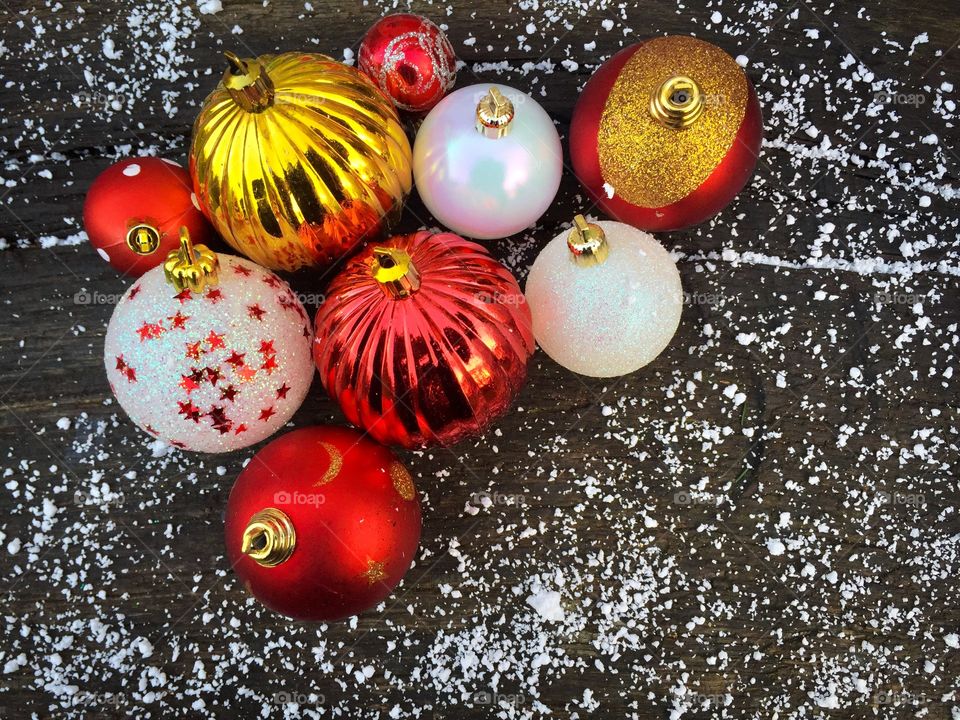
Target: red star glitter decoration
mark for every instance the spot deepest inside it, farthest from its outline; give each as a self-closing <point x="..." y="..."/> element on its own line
<point x="288" y="302"/>
<point x="266" y="347"/>
<point x="267" y="413"/>
<point x="236" y="358"/>
<point x="178" y="444"/>
<point x="126" y="370"/>
<point x="213" y="374"/>
<point x="272" y="280"/>
<point x="246" y="373"/>
<point x="183" y="296"/>
<point x="269" y="364"/>
<point x="195" y="350"/>
<point x="189" y="411"/>
<point x="178" y="321"/>
<point x="282" y="391"/>
<point x="215" y="341"/>
<point x="241" y="270"/>
<point x="150" y="331"/>
<point x="214" y="296"/>
<point x="134" y="292"/>
<point x="220" y="421"/>
<point x="188" y="383"/>
<point x="228" y="393"/>
<point x="240" y="428"/>
<point x="256" y="312"/>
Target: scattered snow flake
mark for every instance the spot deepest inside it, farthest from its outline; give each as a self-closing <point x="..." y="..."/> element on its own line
<point x="775" y="546"/>
<point x="547" y="604"/>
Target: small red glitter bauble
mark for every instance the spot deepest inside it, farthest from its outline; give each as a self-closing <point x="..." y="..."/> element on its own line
<point x="410" y="59"/>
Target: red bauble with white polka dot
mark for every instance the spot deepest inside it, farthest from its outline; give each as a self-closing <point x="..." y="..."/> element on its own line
<point x="215" y="367"/>
<point x="134" y="211"/>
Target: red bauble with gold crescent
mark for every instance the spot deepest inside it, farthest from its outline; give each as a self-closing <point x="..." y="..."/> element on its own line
<point x="666" y="133"/>
<point x="322" y="523"/>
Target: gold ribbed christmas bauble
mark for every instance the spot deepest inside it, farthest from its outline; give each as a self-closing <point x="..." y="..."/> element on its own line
<point x="298" y="159"/>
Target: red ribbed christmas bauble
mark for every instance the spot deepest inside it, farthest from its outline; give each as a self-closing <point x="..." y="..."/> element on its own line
<point x="423" y="340"/>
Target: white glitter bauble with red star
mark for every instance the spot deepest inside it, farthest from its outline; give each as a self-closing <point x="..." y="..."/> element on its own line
<point x="212" y="371"/>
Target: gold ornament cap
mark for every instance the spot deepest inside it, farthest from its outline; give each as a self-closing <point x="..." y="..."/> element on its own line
<point x="494" y="114"/>
<point x="395" y="271"/>
<point x="193" y="268"/>
<point x="269" y="537"/>
<point x="677" y="103"/>
<point x="248" y="83"/>
<point x="587" y="242"/>
<point x="143" y="238"/>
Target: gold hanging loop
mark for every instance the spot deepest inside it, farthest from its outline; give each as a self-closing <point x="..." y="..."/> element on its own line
<point x="495" y="112"/>
<point x="269" y="537"/>
<point x="395" y="271"/>
<point x="587" y="242"/>
<point x="677" y="103"/>
<point x="248" y="83"/>
<point x="143" y="238"/>
<point x="193" y="268"/>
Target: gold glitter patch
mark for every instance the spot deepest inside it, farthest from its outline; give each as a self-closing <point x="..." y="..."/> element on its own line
<point x="402" y="482"/>
<point x="375" y="572"/>
<point x="650" y="165"/>
<point x="336" y="463"/>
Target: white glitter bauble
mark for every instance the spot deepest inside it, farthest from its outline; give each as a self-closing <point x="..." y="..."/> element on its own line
<point x="480" y="185"/>
<point x="609" y="317"/>
<point x="212" y="371"/>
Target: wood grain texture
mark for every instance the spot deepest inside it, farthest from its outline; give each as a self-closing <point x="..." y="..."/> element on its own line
<point x="653" y="496"/>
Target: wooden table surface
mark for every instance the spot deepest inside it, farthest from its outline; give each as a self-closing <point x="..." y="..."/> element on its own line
<point x="762" y="523"/>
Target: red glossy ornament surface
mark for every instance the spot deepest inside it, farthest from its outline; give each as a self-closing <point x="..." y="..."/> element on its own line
<point x="727" y="178"/>
<point x="355" y="516"/>
<point x="410" y="59"/>
<point x="145" y="191"/>
<point x="436" y="366"/>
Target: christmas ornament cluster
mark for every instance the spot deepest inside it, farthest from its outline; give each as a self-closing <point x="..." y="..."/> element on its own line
<point x="300" y="162"/>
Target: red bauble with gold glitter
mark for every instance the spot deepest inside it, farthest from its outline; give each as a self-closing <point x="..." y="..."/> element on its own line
<point x="666" y="133"/>
<point x="322" y="523"/>
<point x="134" y="211"/>
<point x="410" y="59"/>
<point x="423" y="339"/>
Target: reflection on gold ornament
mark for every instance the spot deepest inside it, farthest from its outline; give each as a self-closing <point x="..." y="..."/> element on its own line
<point x="298" y="159"/>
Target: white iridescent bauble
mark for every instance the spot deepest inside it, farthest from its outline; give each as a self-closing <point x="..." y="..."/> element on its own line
<point x="212" y="371"/>
<point x="487" y="161"/>
<point x="605" y="298"/>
